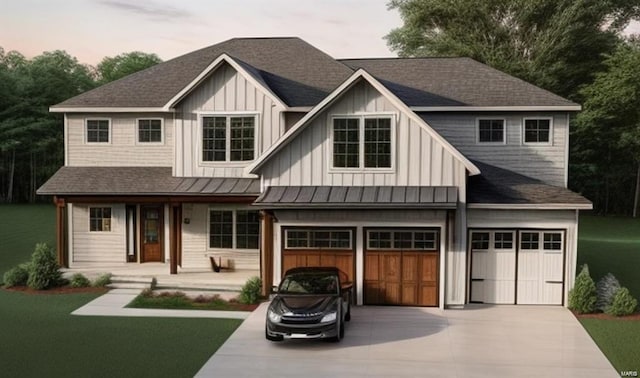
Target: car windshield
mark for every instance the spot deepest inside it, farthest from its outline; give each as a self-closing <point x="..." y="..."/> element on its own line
<point x="309" y="283"/>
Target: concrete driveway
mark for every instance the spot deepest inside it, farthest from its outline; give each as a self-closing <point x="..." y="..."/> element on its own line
<point x="479" y="341"/>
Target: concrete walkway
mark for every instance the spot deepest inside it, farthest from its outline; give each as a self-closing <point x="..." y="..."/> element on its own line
<point x="113" y="304"/>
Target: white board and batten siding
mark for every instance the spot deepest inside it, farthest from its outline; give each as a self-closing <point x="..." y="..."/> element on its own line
<point x="123" y="150"/>
<point x="195" y="243"/>
<point x="224" y="92"/>
<point x="419" y="160"/>
<point x="103" y="247"/>
<point x="546" y="162"/>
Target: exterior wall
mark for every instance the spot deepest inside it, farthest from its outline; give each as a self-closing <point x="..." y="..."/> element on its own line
<point x="291" y="118"/>
<point x="544" y="162"/>
<point x="361" y="219"/>
<point x="97" y="247"/>
<point x="123" y="149"/>
<point x="419" y="159"/>
<point x="535" y="219"/>
<point x="195" y="243"/>
<point x="224" y="91"/>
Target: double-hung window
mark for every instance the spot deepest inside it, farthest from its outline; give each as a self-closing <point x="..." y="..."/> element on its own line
<point x="150" y="130"/>
<point x="234" y="229"/>
<point x="491" y="131"/>
<point x="228" y="138"/>
<point x="537" y="130"/>
<point x="98" y="130"/>
<point x="362" y="142"/>
<point x="100" y="219"/>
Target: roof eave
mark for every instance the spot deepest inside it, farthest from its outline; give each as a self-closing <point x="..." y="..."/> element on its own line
<point x="342" y="206"/>
<point x="99" y="109"/>
<point x="548" y="108"/>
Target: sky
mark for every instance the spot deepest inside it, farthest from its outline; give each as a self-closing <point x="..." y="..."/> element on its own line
<point x="93" y="29"/>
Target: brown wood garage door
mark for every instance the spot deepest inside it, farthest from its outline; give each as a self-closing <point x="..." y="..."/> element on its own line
<point x="319" y="247"/>
<point x="401" y="267"/>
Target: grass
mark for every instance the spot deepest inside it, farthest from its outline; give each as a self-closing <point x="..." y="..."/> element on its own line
<point x="612" y="245"/>
<point x="178" y="300"/>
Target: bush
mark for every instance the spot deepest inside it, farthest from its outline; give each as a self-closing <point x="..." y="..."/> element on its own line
<point x="606" y="289"/>
<point x="16" y="276"/>
<point x="250" y="293"/>
<point x="45" y="271"/>
<point x="582" y="298"/>
<point x="623" y="303"/>
<point x="79" y="280"/>
<point x="103" y="280"/>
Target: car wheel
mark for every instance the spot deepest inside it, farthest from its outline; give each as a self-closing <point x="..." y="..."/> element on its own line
<point x="340" y="331"/>
<point x="347" y="316"/>
<point x="271" y="338"/>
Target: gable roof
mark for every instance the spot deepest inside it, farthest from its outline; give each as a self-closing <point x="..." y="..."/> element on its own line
<point x="298" y="73"/>
<point x="456" y="83"/>
<point x="360" y="74"/>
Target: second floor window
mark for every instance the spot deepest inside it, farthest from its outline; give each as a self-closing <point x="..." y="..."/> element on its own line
<point x="491" y="131"/>
<point x="537" y="130"/>
<point x="149" y="130"/>
<point x="362" y="142"/>
<point x="98" y="131"/>
<point x="228" y="138"/>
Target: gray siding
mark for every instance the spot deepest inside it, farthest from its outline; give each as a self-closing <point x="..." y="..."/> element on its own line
<point x="224" y="91"/>
<point x="123" y="149"/>
<point x="544" y="162"/>
<point x="98" y="247"/>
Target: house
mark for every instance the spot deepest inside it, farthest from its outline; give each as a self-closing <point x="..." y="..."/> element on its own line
<point x="429" y="181"/>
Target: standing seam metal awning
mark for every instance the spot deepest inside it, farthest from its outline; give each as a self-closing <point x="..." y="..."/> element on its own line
<point x="434" y="197"/>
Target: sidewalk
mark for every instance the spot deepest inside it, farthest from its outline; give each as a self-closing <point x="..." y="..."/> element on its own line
<point x="113" y="304"/>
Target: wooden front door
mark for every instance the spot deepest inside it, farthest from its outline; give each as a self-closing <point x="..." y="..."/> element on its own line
<point x="151" y="227"/>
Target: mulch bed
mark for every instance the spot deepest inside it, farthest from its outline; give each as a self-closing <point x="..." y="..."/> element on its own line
<point x="58" y="290"/>
<point x="603" y="316"/>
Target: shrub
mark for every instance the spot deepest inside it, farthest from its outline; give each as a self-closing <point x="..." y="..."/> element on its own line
<point x="45" y="272"/>
<point x="582" y="298"/>
<point x="606" y="289"/>
<point x="250" y="292"/>
<point x="16" y="276"/>
<point x="103" y="280"/>
<point x="79" y="280"/>
<point x="623" y="303"/>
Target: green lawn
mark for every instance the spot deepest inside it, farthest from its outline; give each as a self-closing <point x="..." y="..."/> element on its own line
<point x="618" y="339"/>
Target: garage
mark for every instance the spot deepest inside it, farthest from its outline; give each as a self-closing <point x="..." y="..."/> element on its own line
<point x="517" y="266"/>
<point x="319" y="247"/>
<point x="401" y="267"/>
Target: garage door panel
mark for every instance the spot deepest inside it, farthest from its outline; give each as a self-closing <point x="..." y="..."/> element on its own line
<point x="479" y="265"/>
<point x="552" y="266"/>
<point x="342" y="260"/>
<point x="552" y="293"/>
<point x="392" y="292"/>
<point x="409" y="294"/>
<point x="477" y="291"/>
<point x="429" y="268"/>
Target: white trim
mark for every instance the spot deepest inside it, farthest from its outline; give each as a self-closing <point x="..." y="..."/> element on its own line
<point x="97" y="109"/>
<point x="545" y="206"/>
<point x="504" y="131"/>
<point x="393" y="99"/>
<point x="162" y="131"/>
<point x="86" y="133"/>
<point x="227" y="163"/>
<point x="567" y="108"/>
<point x="523" y="134"/>
<point x="212" y="67"/>
<point x="65" y="142"/>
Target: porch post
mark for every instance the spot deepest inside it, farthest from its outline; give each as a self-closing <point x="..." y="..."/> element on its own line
<point x="61" y="232"/>
<point x="266" y="252"/>
<point x="174" y="226"/>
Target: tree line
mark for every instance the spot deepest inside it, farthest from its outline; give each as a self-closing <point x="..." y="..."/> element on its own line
<point x="31" y="138"/>
<point x="575" y="48"/>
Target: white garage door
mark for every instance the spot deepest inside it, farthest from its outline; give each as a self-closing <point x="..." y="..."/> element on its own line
<point x="526" y="270"/>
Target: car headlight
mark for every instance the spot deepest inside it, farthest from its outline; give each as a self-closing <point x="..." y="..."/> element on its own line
<point x="275" y="318"/>
<point x="330" y="317"/>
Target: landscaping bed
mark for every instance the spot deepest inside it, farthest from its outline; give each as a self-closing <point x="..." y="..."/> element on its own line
<point x="179" y="300"/>
<point x="59" y="290"/>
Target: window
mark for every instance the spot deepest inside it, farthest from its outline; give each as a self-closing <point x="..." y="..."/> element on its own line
<point x="100" y="219"/>
<point x="491" y="131"/>
<point x="402" y="240"/>
<point x="363" y="142"/>
<point x="480" y="240"/>
<point x="318" y="239"/>
<point x="503" y="240"/>
<point x="150" y="131"/>
<point x="228" y="138"/>
<point x="552" y="241"/>
<point x="530" y="240"/>
<point x="537" y="130"/>
<point x="98" y="131"/>
<point x="379" y="240"/>
<point x="234" y="229"/>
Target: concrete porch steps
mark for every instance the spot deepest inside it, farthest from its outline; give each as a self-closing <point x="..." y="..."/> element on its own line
<point x="130" y="282"/>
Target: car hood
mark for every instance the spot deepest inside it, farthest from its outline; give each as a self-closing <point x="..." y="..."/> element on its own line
<point x="297" y="304"/>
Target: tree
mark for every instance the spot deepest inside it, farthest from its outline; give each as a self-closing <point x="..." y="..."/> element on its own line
<point x="114" y="68"/>
<point x="555" y="44"/>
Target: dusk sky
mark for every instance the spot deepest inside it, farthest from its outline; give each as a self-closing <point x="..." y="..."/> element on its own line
<point x="93" y="29"/>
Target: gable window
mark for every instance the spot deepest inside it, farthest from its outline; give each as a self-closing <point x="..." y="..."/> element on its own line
<point x="537" y="130"/>
<point x="234" y="229"/>
<point x="98" y="130"/>
<point x="362" y="142"/>
<point x="150" y="131"/>
<point x="100" y="219"/>
<point x="491" y="131"/>
<point x="228" y="138"/>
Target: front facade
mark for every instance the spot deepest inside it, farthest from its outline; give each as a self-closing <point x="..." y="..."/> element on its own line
<point x="430" y="182"/>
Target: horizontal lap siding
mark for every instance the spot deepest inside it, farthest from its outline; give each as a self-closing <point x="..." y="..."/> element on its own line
<point x="544" y="162"/>
<point x="224" y="91"/>
<point x="122" y="151"/>
<point x="99" y="247"/>
<point x="419" y="158"/>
